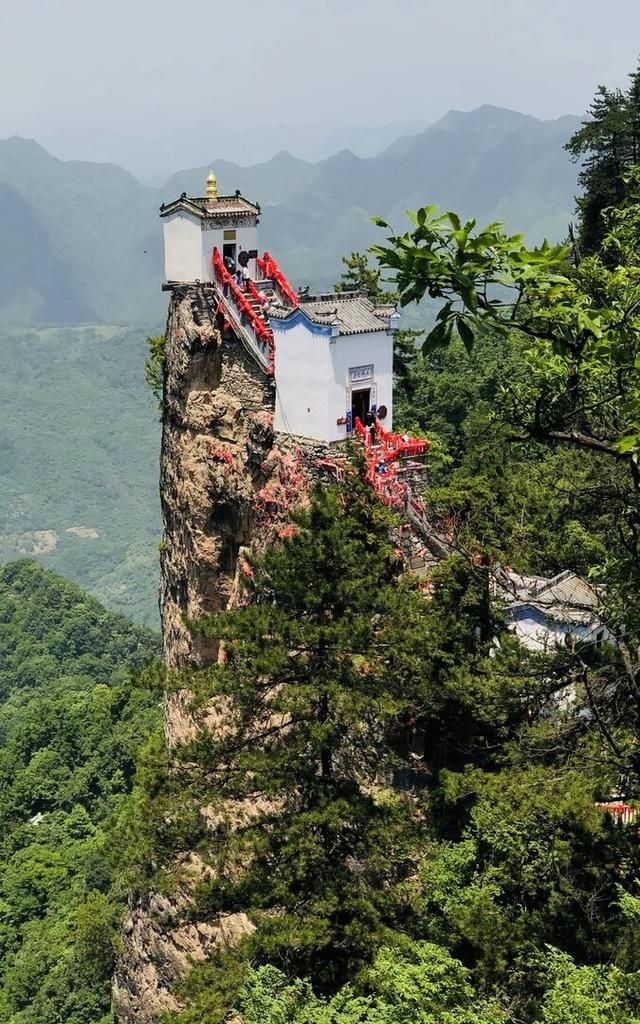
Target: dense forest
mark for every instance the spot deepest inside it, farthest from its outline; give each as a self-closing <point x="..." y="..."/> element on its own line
<point x="71" y="724"/>
<point x="403" y="799"/>
<point x="78" y="461"/>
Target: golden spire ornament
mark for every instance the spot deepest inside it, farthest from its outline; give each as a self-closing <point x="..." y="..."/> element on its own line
<point x="212" y="187"/>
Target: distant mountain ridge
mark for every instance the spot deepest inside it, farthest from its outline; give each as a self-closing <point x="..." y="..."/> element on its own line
<point x="82" y="241"/>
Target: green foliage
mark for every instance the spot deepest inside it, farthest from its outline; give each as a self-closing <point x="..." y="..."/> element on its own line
<point x="420" y="983"/>
<point x="533" y="866"/>
<point x="70" y="727"/>
<point x="360" y="276"/>
<point x="475" y="274"/>
<point x="608" y="144"/>
<point x="575" y="336"/>
<point x="154" y="367"/>
<point x="334" y="663"/>
<point x="306" y="722"/>
<point x="589" y="995"/>
<point x="408" y="787"/>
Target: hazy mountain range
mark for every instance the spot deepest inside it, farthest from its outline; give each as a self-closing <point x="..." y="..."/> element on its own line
<point x="82" y="242"/>
<point x="308" y="141"/>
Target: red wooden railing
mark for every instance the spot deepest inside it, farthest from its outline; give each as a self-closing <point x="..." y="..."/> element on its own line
<point x="381" y="458"/>
<point x="247" y="314"/>
<point x="619" y="811"/>
<point x="270" y="270"/>
<point x="255" y="294"/>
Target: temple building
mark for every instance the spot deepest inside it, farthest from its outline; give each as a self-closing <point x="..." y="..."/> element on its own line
<point x="330" y="356"/>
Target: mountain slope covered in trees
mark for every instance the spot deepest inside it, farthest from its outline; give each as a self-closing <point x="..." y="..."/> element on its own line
<point x="79" y="437"/>
<point x="71" y="724"/>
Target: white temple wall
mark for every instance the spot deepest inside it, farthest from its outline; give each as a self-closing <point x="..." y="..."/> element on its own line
<point x="358" y="352"/>
<point x="313" y="388"/>
<point x="306" y="393"/>
<point x="246" y="238"/>
<point x="182" y="247"/>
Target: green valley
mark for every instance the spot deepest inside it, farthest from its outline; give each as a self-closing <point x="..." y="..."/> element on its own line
<point x="79" y="437"/>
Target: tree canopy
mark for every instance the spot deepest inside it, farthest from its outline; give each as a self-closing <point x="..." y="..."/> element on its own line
<point x="71" y="725"/>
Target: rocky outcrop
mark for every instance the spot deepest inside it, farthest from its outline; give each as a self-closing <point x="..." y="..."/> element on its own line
<point x="160" y="950"/>
<point x="217" y="456"/>
<point x="216" y="436"/>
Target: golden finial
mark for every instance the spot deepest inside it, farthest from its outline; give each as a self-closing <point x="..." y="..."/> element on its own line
<point x="212" y="187"/>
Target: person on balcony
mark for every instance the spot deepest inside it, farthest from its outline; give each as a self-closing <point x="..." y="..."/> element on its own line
<point x="370" y="424"/>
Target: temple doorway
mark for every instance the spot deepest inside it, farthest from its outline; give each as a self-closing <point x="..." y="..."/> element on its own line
<point x="360" y="404"/>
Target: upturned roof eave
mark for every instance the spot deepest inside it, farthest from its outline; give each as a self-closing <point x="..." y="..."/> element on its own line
<point x="191" y="205"/>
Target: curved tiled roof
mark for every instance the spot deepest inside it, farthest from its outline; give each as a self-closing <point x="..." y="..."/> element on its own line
<point x="202" y="206"/>
<point x="350" y="312"/>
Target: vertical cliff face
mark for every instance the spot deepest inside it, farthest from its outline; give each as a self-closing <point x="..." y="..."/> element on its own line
<point x="216" y="436"/>
<point x="217" y="456"/>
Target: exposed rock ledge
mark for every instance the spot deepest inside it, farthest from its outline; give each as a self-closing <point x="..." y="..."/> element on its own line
<point x="160" y="951"/>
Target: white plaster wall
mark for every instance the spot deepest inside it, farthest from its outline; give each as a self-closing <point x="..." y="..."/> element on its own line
<point x="305" y="388"/>
<point x="538" y="637"/>
<point x="246" y="238"/>
<point x="182" y="247"/>
<point x="312" y="378"/>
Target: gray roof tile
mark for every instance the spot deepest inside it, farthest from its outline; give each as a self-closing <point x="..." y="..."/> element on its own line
<point x="350" y="312"/>
<point x="201" y="206"/>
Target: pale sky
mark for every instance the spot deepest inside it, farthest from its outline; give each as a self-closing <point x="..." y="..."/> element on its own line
<point x="157" y="85"/>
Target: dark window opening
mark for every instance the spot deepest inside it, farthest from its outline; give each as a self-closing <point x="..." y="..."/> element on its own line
<point x="360" y="404"/>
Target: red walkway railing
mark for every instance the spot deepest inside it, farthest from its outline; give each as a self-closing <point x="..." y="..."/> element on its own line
<point x="250" y="320"/>
<point x="271" y="271"/>
<point x="383" y="452"/>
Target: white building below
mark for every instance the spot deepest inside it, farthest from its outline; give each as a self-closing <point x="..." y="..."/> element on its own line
<point x="544" y="612"/>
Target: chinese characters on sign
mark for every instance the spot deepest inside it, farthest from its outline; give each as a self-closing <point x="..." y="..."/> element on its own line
<point x="358" y="373"/>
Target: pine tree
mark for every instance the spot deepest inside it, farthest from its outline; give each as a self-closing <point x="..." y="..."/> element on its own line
<point x="343" y="695"/>
<point x="360" y="276"/>
<point x="321" y="669"/>
<point x="609" y="143"/>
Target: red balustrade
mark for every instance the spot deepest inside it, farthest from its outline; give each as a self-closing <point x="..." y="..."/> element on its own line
<point x="271" y="271"/>
<point x="381" y="459"/>
<point x="245" y="309"/>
